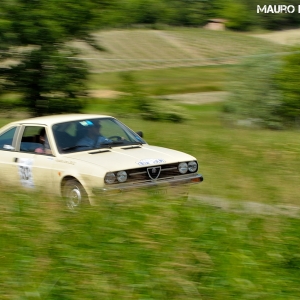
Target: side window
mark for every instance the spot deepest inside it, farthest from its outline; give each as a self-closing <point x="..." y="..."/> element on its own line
<point x="65" y="135"/>
<point x="34" y="139"/>
<point x="6" y="139"/>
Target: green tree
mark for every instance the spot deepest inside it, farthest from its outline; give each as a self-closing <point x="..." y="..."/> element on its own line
<point x="131" y="12"/>
<point x="265" y="91"/>
<point x="34" y="36"/>
<point x="149" y="11"/>
<point x="254" y="97"/>
<point x="288" y="83"/>
<point x="187" y="12"/>
<point x="237" y="15"/>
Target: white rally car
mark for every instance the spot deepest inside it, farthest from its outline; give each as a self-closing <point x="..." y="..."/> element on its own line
<point x="82" y="156"/>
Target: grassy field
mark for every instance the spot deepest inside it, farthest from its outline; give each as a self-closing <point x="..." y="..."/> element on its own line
<point x="167" y="81"/>
<point x="189" y="60"/>
<point x="160" y="49"/>
<point x="155" y="248"/>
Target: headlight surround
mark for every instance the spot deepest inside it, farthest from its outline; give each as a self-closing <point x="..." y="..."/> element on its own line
<point x="192" y="166"/>
<point x="122" y="176"/>
<point x="110" y="177"/>
<point x="183" y="167"/>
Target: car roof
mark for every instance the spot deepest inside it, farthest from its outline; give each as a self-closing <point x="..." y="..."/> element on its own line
<point x="54" y="119"/>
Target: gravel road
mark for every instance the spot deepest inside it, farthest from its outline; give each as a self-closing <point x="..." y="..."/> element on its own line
<point x="247" y="207"/>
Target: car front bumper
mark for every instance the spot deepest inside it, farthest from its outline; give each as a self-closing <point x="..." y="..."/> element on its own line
<point x="182" y="180"/>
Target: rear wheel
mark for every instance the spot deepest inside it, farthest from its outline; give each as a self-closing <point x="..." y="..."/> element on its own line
<point x="74" y="194"/>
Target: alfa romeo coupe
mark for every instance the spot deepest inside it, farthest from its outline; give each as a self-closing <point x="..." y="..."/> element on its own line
<point x="83" y="157"/>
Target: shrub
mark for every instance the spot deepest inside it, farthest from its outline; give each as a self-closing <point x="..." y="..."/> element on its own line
<point x="135" y="101"/>
<point x="254" y="94"/>
<point x="287" y="80"/>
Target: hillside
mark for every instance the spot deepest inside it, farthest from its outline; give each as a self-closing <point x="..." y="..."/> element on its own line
<point x="284" y="37"/>
<point x="138" y="49"/>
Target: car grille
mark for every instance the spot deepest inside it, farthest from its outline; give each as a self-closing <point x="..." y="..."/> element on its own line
<point x="150" y="173"/>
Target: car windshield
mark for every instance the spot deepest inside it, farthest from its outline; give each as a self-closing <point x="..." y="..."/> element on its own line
<point x="88" y="134"/>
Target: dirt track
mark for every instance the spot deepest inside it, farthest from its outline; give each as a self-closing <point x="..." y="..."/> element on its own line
<point x="247" y="207"/>
<point x="198" y="98"/>
<point x="190" y="98"/>
<point x="285" y="37"/>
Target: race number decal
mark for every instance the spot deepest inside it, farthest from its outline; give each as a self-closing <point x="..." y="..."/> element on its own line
<point x="25" y="172"/>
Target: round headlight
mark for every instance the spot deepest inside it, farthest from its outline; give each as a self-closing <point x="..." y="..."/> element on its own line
<point x="192" y="165"/>
<point x="121" y="176"/>
<point x="110" y="177"/>
<point x="183" y="167"/>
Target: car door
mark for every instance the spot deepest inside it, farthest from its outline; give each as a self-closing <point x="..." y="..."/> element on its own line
<point x="7" y="155"/>
<point x="33" y="169"/>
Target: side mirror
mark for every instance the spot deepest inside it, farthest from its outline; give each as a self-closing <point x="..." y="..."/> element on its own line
<point x="140" y="133"/>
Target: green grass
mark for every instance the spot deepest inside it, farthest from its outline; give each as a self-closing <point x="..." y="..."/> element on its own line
<point x="177" y="47"/>
<point x="146" y="248"/>
<point x="168" y="81"/>
<point x="157" y="248"/>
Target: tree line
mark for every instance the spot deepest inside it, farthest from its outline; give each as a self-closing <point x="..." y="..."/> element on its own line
<point x="239" y="14"/>
<point x="34" y="36"/>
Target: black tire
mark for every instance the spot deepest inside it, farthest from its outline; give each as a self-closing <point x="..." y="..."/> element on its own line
<point x="74" y="194"/>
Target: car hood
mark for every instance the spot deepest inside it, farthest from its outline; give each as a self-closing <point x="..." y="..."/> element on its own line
<point x="130" y="157"/>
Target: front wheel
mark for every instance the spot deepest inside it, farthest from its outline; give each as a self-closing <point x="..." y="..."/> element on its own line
<point x="74" y="194"/>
